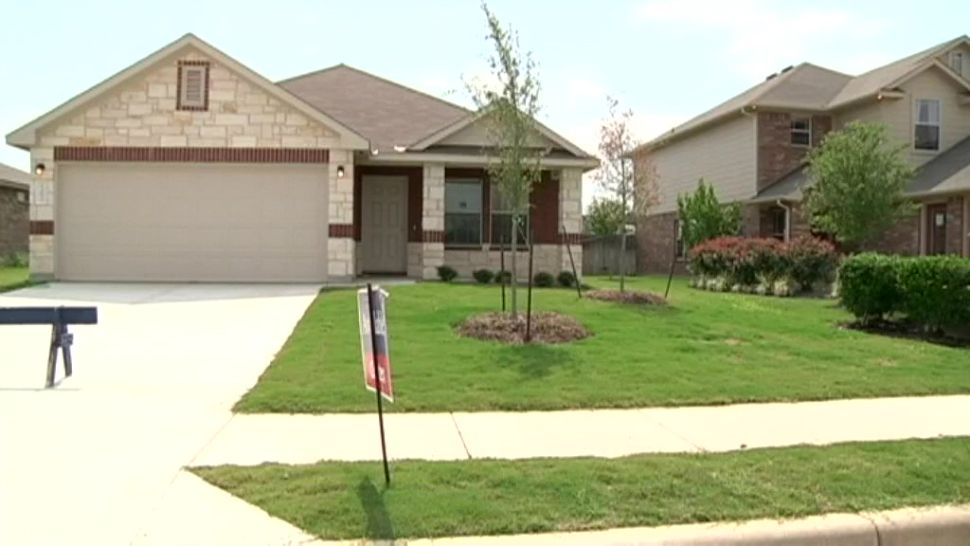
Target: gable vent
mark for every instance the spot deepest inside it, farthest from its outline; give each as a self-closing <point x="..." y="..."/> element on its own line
<point x="193" y="85"/>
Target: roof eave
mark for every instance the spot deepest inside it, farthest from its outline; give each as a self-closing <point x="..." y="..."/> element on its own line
<point x="413" y="157"/>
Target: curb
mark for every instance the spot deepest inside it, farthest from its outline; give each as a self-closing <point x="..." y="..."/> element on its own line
<point x="932" y="526"/>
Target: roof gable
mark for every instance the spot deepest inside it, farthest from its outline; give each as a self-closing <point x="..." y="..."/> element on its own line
<point x="472" y="131"/>
<point x="26" y="136"/>
<point x="389" y="114"/>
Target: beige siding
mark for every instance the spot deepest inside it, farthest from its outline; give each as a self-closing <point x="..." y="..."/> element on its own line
<point x="142" y="113"/>
<point x="723" y="155"/>
<point x="899" y="114"/>
<point x="965" y="49"/>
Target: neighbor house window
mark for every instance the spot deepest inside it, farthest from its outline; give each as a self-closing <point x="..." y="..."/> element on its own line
<point x="956" y="61"/>
<point x="801" y="131"/>
<point x="463" y="212"/>
<point x="193" y="85"/>
<point x="502" y="222"/>
<point x="927" y="131"/>
<point x="777" y="222"/>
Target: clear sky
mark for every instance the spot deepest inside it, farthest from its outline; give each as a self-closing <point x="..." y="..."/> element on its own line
<point x="667" y="60"/>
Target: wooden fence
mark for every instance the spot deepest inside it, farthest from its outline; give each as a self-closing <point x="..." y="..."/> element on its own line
<point x="600" y="255"/>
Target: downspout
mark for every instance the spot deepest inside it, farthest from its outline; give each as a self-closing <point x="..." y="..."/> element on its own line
<point x="787" y="210"/>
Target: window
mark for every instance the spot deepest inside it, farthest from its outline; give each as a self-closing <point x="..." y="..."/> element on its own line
<point x="801" y="131"/>
<point x="193" y="85"/>
<point x="463" y="212"/>
<point x="777" y="222"/>
<point x="956" y="61"/>
<point x="679" y="246"/>
<point x="927" y="131"/>
<point x="502" y="222"/>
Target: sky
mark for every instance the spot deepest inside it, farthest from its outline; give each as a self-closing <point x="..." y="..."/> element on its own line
<point x="666" y="60"/>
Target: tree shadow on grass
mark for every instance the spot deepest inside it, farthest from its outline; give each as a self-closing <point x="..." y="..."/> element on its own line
<point x="534" y="361"/>
<point x="379" y="524"/>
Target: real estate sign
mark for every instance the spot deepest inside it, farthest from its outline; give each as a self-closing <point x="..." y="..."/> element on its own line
<point x="376" y="345"/>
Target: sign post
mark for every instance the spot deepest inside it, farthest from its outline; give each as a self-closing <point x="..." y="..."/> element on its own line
<point x="376" y="355"/>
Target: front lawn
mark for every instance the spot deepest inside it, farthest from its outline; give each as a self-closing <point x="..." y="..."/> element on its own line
<point x="12" y="278"/>
<point x="705" y="348"/>
<point x="484" y="497"/>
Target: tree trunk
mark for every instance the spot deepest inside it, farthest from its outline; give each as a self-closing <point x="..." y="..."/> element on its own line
<point x="514" y="281"/>
<point x="621" y="267"/>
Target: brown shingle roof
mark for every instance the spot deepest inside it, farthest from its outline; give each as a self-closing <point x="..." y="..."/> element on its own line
<point x="386" y="113"/>
<point x="14" y="178"/>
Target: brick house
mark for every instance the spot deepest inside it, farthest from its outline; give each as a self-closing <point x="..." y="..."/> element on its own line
<point x="189" y="166"/>
<point x="14" y="211"/>
<point x="752" y="149"/>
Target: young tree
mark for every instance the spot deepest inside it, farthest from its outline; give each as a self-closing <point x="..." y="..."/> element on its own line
<point x="605" y="217"/>
<point x="858" y="178"/>
<point x="509" y="112"/>
<point x="629" y="182"/>
<point x="703" y="217"/>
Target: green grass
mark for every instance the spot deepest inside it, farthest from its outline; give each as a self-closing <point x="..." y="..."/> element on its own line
<point x="706" y="348"/>
<point x="12" y="278"/>
<point x="483" y="497"/>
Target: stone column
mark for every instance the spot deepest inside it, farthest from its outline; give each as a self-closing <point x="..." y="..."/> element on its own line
<point x="42" y="228"/>
<point x="571" y="218"/>
<point x="341" y="247"/>
<point x="433" y="220"/>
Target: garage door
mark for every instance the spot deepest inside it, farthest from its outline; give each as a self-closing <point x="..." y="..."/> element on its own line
<point x="191" y="222"/>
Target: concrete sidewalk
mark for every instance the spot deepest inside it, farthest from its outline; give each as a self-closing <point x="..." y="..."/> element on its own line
<point x="295" y="439"/>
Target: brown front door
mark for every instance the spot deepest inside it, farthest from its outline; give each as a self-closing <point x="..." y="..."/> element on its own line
<point x="936" y="229"/>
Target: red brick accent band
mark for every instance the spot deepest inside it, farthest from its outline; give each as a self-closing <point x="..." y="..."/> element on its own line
<point x="41" y="227"/>
<point x="191" y="155"/>
<point x="572" y="238"/>
<point x="342" y="231"/>
<point x="433" y="236"/>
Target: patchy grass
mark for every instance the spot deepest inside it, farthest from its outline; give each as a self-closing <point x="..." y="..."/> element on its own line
<point x="12" y="278"/>
<point x="485" y="497"/>
<point x="702" y="348"/>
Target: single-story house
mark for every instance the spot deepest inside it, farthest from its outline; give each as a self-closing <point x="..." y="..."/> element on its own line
<point x="14" y="210"/>
<point x="189" y="166"/>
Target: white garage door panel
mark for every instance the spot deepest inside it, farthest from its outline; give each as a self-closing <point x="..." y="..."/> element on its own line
<point x="191" y="222"/>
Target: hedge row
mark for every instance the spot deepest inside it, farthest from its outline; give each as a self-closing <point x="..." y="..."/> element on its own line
<point x="933" y="291"/>
<point x="484" y="276"/>
<point x="727" y="262"/>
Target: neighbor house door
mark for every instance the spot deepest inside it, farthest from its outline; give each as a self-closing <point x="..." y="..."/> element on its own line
<point x="936" y="229"/>
<point x="384" y="224"/>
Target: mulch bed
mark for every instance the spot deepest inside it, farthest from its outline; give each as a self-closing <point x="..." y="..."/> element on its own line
<point x="902" y="329"/>
<point x="628" y="296"/>
<point x="547" y="327"/>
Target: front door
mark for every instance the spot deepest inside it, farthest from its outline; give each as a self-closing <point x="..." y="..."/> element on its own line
<point x="936" y="229"/>
<point x="384" y="223"/>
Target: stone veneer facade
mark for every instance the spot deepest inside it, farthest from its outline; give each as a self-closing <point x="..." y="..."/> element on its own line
<point x="142" y="113"/>
<point x="14" y="221"/>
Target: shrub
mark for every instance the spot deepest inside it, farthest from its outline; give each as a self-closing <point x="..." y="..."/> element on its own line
<point x="15" y="259"/>
<point x="543" y="279"/>
<point x="447" y="273"/>
<point x="484" y="276"/>
<point x="811" y="261"/>
<point x="703" y="217"/>
<point x="869" y="285"/>
<point x="566" y="279"/>
<point x="935" y="291"/>
<point x="503" y="277"/>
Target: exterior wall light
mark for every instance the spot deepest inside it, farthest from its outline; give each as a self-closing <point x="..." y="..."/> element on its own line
<point x="39" y="169"/>
<point x="340" y="171"/>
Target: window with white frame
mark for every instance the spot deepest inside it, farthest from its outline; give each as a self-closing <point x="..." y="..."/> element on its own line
<point x="927" y="125"/>
<point x="193" y="85"/>
<point x="501" y="232"/>
<point x="463" y="212"/>
<point x="801" y="131"/>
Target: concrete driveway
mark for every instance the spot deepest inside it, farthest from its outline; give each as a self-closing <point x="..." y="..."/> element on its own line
<point x="97" y="460"/>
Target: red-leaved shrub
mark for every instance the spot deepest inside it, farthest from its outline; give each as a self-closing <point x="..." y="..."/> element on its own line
<point x="750" y="261"/>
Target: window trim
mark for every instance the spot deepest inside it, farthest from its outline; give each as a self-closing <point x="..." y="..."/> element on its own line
<point x="481" y="216"/>
<point x="938" y="125"/>
<point x="492" y="212"/>
<point x="204" y="66"/>
<point x="792" y="131"/>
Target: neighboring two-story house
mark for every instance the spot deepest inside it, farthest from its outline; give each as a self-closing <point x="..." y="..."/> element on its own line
<point x="752" y="149"/>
